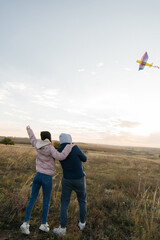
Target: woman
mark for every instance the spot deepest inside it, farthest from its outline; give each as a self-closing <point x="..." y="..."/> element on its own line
<point x="45" y="168"/>
<point x="73" y="180"/>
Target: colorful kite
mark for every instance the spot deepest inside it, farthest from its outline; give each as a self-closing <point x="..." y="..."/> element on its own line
<point x="143" y="62"/>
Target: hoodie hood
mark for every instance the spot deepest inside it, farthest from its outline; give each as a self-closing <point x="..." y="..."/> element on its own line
<point x="42" y="143"/>
<point x="65" y="138"/>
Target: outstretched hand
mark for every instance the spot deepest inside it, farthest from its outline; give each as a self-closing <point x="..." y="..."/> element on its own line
<point x="28" y="127"/>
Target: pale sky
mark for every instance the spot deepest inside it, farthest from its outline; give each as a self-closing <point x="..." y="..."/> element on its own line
<point x="70" y="66"/>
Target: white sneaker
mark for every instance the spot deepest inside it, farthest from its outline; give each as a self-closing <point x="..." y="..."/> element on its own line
<point x="60" y="231"/>
<point x="25" y="228"/>
<point x="81" y="225"/>
<point x="44" y="227"/>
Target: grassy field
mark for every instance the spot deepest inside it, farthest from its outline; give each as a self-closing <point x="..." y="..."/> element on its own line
<point x="123" y="194"/>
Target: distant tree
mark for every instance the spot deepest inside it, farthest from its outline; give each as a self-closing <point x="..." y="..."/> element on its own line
<point x="56" y="144"/>
<point x="7" y="141"/>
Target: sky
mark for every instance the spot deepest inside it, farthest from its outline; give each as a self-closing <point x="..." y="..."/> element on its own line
<point x="70" y="66"/>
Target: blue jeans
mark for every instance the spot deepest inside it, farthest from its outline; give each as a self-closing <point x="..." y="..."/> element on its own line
<point x="45" y="181"/>
<point x="69" y="185"/>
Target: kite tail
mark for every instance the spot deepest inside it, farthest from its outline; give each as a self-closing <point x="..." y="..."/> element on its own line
<point x="156" y="67"/>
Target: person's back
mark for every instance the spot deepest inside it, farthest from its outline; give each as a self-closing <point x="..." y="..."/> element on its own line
<point x="72" y="166"/>
<point x="73" y="180"/>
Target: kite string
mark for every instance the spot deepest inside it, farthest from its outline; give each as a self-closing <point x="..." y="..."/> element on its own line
<point x="156" y="67"/>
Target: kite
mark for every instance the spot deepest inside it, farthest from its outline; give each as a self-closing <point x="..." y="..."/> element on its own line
<point x="143" y="62"/>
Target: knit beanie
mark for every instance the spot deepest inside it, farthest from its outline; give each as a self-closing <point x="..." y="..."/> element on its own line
<point x="65" y="138"/>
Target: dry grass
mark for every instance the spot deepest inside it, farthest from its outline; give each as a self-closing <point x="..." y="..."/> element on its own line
<point x="123" y="194"/>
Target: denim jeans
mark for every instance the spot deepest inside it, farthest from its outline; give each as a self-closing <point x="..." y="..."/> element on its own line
<point x="69" y="185"/>
<point x="45" y="181"/>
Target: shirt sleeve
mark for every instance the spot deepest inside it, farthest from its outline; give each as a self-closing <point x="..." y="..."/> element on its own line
<point x="32" y="137"/>
<point x="61" y="155"/>
<point x="81" y="155"/>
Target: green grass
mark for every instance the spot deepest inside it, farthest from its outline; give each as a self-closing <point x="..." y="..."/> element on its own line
<point x="123" y="194"/>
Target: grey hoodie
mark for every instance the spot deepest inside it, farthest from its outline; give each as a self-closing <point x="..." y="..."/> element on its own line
<point x="65" y="138"/>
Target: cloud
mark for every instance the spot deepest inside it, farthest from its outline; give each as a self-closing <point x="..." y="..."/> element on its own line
<point x="3" y="95"/>
<point x="100" y="64"/>
<point x="93" y="73"/>
<point x="128" y="69"/>
<point x="7" y="88"/>
<point x="51" y="93"/>
<point x="47" y="97"/>
<point x="103" y="120"/>
<point x="16" y="110"/>
<point x="18" y="114"/>
<point x="8" y="114"/>
<point x="126" y="124"/>
<point x="14" y="85"/>
<point x="81" y="70"/>
<point x="76" y="111"/>
<point x="77" y="126"/>
<point x="130" y="139"/>
<point x="24" y="118"/>
<point x="153" y="139"/>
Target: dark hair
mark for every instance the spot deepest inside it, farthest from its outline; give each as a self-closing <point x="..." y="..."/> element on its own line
<point x="45" y="134"/>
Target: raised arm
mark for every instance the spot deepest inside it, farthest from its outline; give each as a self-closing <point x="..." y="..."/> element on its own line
<point x="31" y="135"/>
<point x="61" y="155"/>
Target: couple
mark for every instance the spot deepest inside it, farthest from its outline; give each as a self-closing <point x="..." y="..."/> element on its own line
<point x="70" y="157"/>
